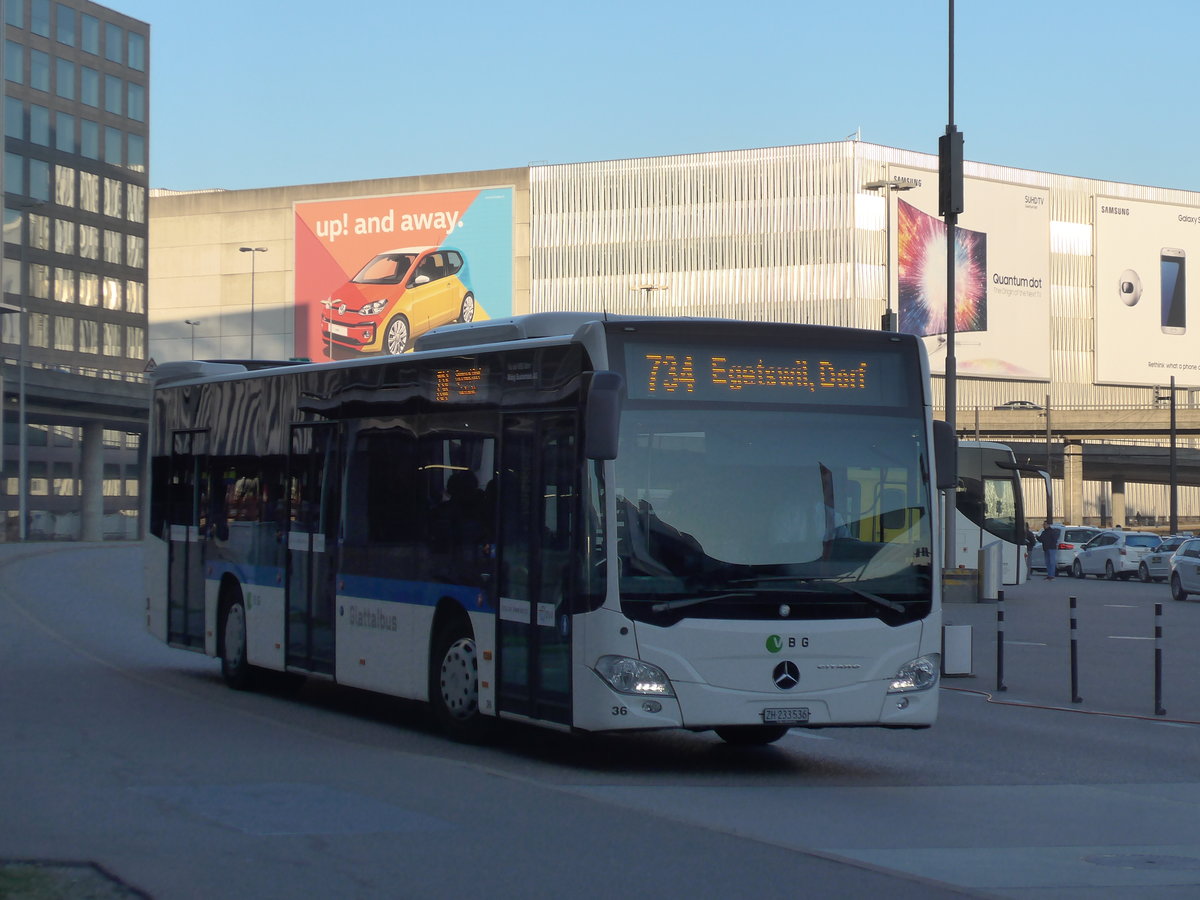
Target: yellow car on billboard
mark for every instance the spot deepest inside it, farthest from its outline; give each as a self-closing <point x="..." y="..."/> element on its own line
<point x="397" y="296"/>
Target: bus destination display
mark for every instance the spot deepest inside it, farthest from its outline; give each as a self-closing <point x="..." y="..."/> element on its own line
<point x="763" y="375"/>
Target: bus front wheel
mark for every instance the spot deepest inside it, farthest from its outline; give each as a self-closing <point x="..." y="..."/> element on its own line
<point x="751" y="735"/>
<point x="454" y="682"/>
<point x="235" y="668"/>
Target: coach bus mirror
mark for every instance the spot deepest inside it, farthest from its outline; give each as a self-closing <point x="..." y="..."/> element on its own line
<point x="945" y="455"/>
<point x="603" y="418"/>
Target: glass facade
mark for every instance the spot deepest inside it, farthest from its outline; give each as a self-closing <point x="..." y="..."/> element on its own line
<point x="76" y="117"/>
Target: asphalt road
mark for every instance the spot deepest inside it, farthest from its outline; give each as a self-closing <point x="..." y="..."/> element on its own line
<point x="117" y="750"/>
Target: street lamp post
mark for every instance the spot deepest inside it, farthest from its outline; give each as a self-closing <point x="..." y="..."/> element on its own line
<point x="888" y="322"/>
<point x="22" y="437"/>
<point x="252" y="251"/>
<point x="648" y="291"/>
<point x="193" y="323"/>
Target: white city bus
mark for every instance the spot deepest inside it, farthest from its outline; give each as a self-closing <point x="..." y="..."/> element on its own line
<point x="991" y="508"/>
<point x="579" y="521"/>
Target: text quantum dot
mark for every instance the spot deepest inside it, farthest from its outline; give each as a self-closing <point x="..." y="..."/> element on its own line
<point x="670" y="373"/>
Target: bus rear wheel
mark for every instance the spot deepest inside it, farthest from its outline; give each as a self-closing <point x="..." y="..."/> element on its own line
<point x="751" y="735"/>
<point x="454" y="682"/>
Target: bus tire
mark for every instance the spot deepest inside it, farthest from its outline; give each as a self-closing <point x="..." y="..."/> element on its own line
<point x="235" y="669"/>
<point x="751" y="735"/>
<point x="454" y="681"/>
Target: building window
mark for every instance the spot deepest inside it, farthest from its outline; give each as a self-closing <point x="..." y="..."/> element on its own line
<point x="89" y="336"/>
<point x="89" y="33"/>
<point x="136" y="202"/>
<point x="64" y="78"/>
<point x="89" y="241"/>
<point x="137" y="51"/>
<point x="64" y="285"/>
<point x="64" y="132"/>
<point x="89" y="288"/>
<point x="12" y="235"/>
<point x="39" y="283"/>
<point x="14" y="173"/>
<point x="137" y="152"/>
<point x="39" y="329"/>
<point x="112" y="94"/>
<point x="112" y="146"/>
<point x="112" y="254"/>
<point x="112" y="197"/>
<point x="64" y="480"/>
<point x="135" y="102"/>
<point x="112" y="339"/>
<point x="114" y="43"/>
<point x="135" y="251"/>
<point x="89" y="139"/>
<point x="14" y="13"/>
<point x="39" y="125"/>
<point x="135" y="342"/>
<point x="64" y="333"/>
<point x="89" y="86"/>
<point x="39" y="70"/>
<point x="89" y="191"/>
<point x="39" y="232"/>
<point x="66" y="25"/>
<point x="135" y="297"/>
<point x="64" y="185"/>
<point x="39" y="179"/>
<point x="14" y="62"/>
<point x="64" y="237"/>
<point x="39" y="17"/>
<point x="112" y="293"/>
<point x="14" y="118"/>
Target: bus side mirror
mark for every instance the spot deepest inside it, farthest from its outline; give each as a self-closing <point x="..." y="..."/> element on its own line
<point x="945" y="455"/>
<point x="602" y="421"/>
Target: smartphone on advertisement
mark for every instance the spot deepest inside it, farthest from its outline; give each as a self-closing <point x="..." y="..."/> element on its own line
<point x="1174" y="290"/>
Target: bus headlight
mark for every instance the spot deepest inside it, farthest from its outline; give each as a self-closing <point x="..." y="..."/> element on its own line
<point x="918" y="674"/>
<point x="632" y="676"/>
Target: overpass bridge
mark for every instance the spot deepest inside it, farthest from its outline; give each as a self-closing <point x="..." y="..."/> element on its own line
<point x="1054" y="440"/>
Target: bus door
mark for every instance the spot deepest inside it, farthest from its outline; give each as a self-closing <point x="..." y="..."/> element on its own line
<point x="539" y="507"/>
<point x="313" y="505"/>
<point x="189" y="502"/>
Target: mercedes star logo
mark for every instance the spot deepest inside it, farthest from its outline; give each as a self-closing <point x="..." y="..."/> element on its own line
<point x="787" y="675"/>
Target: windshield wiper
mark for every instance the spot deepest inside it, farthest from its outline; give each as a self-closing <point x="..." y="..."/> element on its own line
<point x="694" y="601"/>
<point x="806" y="580"/>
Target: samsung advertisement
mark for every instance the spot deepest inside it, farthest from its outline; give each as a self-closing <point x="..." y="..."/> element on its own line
<point x="1002" y="274"/>
<point x="1146" y="326"/>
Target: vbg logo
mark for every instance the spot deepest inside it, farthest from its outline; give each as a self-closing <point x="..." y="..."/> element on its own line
<point x="776" y="642"/>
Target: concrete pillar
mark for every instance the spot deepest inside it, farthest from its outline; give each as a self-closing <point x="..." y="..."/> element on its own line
<point x="92" y="475"/>
<point x="1118" y="502"/>
<point x="1072" y="504"/>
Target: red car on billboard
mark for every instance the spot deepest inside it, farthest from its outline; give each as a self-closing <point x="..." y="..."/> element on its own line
<point x="397" y="296"/>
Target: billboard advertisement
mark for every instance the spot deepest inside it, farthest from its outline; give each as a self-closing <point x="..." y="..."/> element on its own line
<point x="1145" y="330"/>
<point x="1001" y="275"/>
<point x="375" y="273"/>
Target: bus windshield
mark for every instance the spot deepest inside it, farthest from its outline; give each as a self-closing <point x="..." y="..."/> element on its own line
<point x="729" y="513"/>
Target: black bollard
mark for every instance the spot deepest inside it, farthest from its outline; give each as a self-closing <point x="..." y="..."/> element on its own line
<point x="1000" y="686"/>
<point x="1075" y="698"/>
<point x="1158" y="660"/>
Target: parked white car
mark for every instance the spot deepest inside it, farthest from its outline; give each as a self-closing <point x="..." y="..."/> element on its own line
<point x="1114" y="554"/>
<point x="1185" y="569"/>
<point x="1156" y="565"/>
<point x="1070" y="539"/>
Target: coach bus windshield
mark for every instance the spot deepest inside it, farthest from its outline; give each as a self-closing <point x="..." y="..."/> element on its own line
<point x="758" y="512"/>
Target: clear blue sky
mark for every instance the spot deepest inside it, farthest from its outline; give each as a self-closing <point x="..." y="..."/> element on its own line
<point x="246" y="93"/>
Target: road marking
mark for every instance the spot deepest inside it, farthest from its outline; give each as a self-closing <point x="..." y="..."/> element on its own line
<point x="1027" y="643"/>
<point x="1128" y="637"/>
<point x="808" y="735"/>
<point x="1122" y="606"/>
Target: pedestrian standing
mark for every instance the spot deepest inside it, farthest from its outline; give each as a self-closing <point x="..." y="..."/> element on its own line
<point x="1049" y="541"/>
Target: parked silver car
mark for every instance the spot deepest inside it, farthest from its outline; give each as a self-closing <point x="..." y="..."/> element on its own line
<point x="1185" y="569"/>
<point x="1070" y="539"/>
<point x="1156" y="565"/>
<point x="1114" y="554"/>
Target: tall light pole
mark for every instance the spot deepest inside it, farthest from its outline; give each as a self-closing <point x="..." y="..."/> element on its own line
<point x="193" y="323"/>
<point x="888" y="322"/>
<point x="648" y="291"/>
<point x="252" y="251"/>
<point x="23" y="318"/>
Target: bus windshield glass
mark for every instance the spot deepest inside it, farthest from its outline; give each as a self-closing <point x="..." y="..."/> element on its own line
<point x="737" y="512"/>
